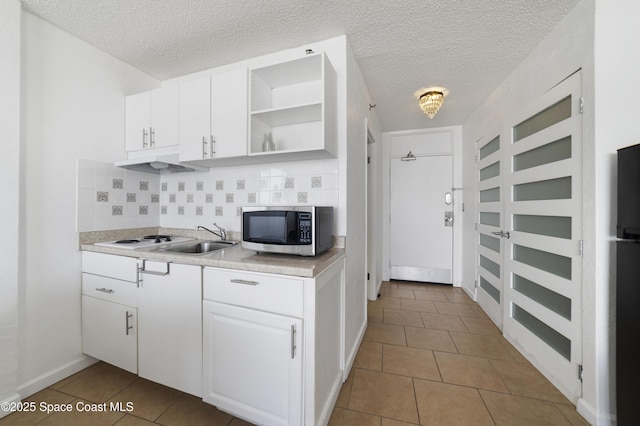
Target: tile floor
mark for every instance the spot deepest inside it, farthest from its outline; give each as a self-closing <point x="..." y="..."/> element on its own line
<point x="153" y="404"/>
<point x="430" y="356"/>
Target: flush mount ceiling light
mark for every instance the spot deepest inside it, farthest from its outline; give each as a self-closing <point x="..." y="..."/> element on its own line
<point x="430" y="99"/>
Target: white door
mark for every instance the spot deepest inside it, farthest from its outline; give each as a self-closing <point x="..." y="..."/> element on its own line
<point x="489" y="226"/>
<point x="543" y="234"/>
<point x="421" y="229"/>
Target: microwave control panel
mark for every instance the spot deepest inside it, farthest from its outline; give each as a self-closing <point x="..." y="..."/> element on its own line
<point x="304" y="228"/>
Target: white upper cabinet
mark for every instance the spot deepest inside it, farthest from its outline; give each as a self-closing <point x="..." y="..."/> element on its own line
<point x="293" y="107"/>
<point x="195" y="119"/>
<point x="152" y="119"/>
<point x="213" y="116"/>
<point x="277" y="112"/>
<point x="229" y="99"/>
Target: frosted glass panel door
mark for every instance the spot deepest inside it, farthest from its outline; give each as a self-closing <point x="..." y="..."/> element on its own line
<point x="421" y="237"/>
<point x="490" y="217"/>
<point x="542" y="270"/>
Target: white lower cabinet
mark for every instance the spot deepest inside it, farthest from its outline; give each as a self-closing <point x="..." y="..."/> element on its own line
<point x="273" y="345"/>
<point x="145" y="317"/>
<point x="170" y="325"/>
<point x="109" y="309"/>
<point x="109" y="332"/>
<point x="253" y="365"/>
<point x="266" y="348"/>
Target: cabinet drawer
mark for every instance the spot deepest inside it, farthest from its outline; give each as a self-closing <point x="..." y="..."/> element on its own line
<point x="109" y="265"/>
<point x="271" y="293"/>
<point x="104" y="288"/>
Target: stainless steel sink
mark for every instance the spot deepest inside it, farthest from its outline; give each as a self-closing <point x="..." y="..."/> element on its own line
<point x="202" y="247"/>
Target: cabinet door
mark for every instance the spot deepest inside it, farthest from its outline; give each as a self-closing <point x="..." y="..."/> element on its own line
<point x="229" y="110"/>
<point x="109" y="332"/>
<point x="170" y="322"/>
<point x="253" y="364"/>
<point x="138" y="117"/>
<point x="165" y="113"/>
<point x="195" y="119"/>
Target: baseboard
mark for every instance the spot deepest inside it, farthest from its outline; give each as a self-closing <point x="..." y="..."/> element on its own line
<point x="53" y="376"/>
<point x="593" y="416"/>
<point x="11" y="399"/>
<point x="325" y="415"/>
<point x="354" y="351"/>
<point x="472" y="294"/>
<point x="376" y="292"/>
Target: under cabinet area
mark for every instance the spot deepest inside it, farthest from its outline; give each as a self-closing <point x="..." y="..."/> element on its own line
<point x="151" y="119"/>
<point x="213" y="116"/>
<point x="293" y="107"/>
<point x="109" y="309"/>
<point x="170" y="325"/>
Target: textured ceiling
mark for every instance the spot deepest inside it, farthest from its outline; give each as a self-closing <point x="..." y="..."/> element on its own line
<point x="467" y="46"/>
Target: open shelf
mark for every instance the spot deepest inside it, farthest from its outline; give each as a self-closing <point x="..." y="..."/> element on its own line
<point x="289" y="100"/>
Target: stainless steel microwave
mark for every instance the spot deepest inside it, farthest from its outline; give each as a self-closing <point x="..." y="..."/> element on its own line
<point x="299" y="230"/>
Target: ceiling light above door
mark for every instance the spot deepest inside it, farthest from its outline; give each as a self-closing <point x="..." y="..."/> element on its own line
<point x="431" y="99"/>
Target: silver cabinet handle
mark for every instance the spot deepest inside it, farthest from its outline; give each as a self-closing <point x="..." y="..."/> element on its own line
<point x="104" y="290"/>
<point x="144" y="138"/>
<point x="128" y="327"/>
<point x="246" y="282"/>
<point x="212" y="142"/>
<point x="143" y="269"/>
<point x="293" y="341"/>
<point x="204" y="147"/>
<point x="152" y="137"/>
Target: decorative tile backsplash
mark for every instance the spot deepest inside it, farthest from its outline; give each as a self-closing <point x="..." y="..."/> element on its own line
<point x="112" y="198"/>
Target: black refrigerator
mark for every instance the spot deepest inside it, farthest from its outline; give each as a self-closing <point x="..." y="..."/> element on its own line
<point x="628" y="287"/>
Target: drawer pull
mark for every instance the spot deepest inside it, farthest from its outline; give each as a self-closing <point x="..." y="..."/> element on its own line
<point x="104" y="290"/>
<point x="245" y="282"/>
<point x="128" y="327"/>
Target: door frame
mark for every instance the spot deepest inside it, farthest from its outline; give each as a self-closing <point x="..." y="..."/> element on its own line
<point x="453" y="147"/>
<point x="374" y="283"/>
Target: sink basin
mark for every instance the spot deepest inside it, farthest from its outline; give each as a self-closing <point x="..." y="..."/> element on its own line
<point x="201" y="247"/>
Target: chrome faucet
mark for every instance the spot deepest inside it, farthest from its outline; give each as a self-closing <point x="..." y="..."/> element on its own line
<point x="222" y="233"/>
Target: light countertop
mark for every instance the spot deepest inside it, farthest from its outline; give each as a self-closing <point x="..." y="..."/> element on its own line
<point x="236" y="258"/>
